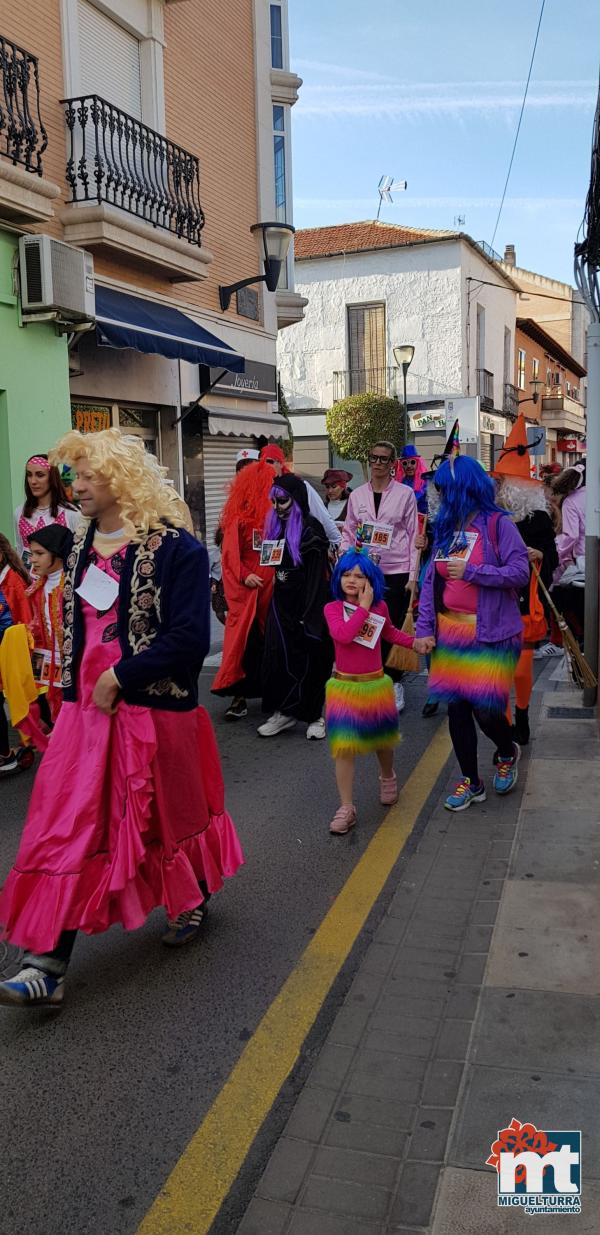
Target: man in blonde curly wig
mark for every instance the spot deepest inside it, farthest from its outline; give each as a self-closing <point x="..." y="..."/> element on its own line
<point x="127" y="811"/>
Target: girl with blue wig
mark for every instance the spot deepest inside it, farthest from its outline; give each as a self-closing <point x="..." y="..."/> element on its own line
<point x="469" y="603"/>
<point x="360" y="711"/>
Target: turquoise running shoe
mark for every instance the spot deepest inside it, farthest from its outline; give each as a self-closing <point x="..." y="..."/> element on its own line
<point x="507" y="772"/>
<point x="464" y="794"/>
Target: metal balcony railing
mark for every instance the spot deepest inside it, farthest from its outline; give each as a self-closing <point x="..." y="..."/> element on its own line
<point x="23" y="138"/>
<point x="485" y="387"/>
<point x="382" y="381"/>
<point x="511" y="400"/>
<point x="114" y="158"/>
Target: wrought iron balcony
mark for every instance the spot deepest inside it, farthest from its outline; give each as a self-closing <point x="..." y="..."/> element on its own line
<point x="364" y="381"/>
<point x="510" y="403"/>
<point x="116" y="159"/>
<point x="485" y="388"/>
<point x="23" y="138"/>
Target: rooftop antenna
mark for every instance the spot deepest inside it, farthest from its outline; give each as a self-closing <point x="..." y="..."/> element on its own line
<point x="387" y="186"/>
<point x="459" y="220"/>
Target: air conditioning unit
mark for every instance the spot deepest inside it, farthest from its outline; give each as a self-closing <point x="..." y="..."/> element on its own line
<point x="56" y="277"/>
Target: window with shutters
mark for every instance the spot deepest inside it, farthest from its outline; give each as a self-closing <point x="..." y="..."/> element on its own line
<point x="367" y="349"/>
<point x="109" y="60"/>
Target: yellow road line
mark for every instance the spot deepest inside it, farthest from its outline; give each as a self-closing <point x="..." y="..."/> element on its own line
<point x="205" y="1172"/>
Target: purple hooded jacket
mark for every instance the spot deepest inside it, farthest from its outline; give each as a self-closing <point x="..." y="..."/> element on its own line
<point x="499" y="578"/>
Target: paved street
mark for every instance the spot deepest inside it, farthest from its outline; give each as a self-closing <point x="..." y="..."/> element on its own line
<point x="116" y="1084"/>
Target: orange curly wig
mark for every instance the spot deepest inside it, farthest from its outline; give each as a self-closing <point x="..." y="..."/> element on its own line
<point x="248" y="502"/>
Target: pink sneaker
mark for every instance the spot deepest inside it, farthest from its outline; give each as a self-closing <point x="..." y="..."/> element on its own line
<point x="343" y="820"/>
<point x="388" y="789"/>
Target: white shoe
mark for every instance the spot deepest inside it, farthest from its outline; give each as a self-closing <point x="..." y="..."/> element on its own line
<point x="316" y="730"/>
<point x="276" y="723"/>
<point x="547" y="650"/>
<point x="399" y="696"/>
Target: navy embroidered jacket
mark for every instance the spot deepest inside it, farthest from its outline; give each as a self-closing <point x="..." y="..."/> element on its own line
<point x="163" y="618"/>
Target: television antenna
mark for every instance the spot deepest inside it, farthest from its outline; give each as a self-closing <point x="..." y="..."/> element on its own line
<point x="387" y="186"/>
<point x="459" y="220"/>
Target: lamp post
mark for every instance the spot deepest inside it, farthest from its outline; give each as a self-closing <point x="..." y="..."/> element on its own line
<point x="274" y="240"/>
<point x="536" y="387"/>
<point x="403" y="357"/>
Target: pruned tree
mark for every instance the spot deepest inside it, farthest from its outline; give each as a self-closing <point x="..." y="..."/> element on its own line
<point x="355" y="423"/>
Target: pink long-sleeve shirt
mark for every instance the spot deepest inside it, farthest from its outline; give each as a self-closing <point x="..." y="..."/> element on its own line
<point x="571" y="541"/>
<point x="398" y="507"/>
<point x="353" y="657"/>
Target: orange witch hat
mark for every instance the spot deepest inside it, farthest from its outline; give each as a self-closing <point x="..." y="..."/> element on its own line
<point x="514" y="461"/>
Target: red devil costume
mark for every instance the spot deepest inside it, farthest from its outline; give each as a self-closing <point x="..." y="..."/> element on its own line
<point x="242" y="521"/>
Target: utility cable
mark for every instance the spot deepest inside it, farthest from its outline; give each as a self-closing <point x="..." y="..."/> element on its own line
<point x="537" y="34"/>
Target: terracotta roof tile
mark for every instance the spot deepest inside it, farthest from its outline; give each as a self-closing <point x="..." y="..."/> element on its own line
<point x="358" y="237"/>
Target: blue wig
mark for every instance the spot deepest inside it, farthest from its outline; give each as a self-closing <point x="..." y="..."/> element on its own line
<point x="371" y="571"/>
<point x="466" y="490"/>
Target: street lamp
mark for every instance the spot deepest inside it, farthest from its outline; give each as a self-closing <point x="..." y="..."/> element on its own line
<point x="403" y="357"/>
<point x="274" y="240"/>
<point x="536" y="386"/>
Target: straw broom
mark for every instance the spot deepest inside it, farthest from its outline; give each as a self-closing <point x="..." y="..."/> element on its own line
<point x="404" y="659"/>
<point x="580" y="670"/>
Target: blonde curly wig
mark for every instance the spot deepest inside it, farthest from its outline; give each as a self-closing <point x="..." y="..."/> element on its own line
<point x="134" y="477"/>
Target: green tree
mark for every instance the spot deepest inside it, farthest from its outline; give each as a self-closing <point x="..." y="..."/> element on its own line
<point x="355" y="423"/>
<point x="283" y="409"/>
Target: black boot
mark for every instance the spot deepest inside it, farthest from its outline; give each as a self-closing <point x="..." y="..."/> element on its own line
<point x="520" y="728"/>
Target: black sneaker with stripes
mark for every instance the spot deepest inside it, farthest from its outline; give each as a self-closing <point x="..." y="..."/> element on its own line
<point x="186" y="927"/>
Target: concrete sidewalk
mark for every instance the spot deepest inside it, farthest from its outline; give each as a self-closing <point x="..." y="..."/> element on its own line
<point x="477" y="1001"/>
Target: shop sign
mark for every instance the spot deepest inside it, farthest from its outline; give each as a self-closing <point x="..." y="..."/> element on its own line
<point x="492" y="424"/>
<point x="570" y="444"/>
<point x="258" y="382"/>
<point x="90" y="419"/>
<point x="421" y="421"/>
<point x="467" y="411"/>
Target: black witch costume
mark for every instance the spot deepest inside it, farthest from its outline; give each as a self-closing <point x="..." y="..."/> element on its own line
<point x="298" y="652"/>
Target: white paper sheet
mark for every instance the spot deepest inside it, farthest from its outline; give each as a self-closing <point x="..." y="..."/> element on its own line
<point x="98" y="589"/>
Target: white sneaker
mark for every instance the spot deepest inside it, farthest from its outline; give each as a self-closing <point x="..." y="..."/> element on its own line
<point x="316" y="730"/>
<point x="399" y="696"/>
<point x="547" y="650"/>
<point x="276" y="724"/>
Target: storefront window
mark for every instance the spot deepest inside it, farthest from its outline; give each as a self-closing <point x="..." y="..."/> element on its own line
<point x="90" y="417"/>
<point x="142" y="422"/>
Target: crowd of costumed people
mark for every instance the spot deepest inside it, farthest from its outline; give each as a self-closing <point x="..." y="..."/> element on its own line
<point x="105" y="624"/>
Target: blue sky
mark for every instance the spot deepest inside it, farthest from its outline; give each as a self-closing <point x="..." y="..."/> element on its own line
<point x="429" y="92"/>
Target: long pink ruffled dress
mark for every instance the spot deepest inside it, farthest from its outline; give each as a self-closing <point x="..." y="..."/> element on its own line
<point x="127" y="812"/>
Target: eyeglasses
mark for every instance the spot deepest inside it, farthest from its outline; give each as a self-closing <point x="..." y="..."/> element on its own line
<point x="380" y="458"/>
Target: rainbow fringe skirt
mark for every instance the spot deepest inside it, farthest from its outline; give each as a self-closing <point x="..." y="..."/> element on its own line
<point x="463" y="668"/>
<point x="360" y="713"/>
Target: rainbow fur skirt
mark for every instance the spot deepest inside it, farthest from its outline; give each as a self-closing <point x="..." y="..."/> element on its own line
<point x="360" y="713"/>
<point x="462" y="668"/>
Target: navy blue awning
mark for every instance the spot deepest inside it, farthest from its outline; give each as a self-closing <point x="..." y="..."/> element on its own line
<point x="129" y="321"/>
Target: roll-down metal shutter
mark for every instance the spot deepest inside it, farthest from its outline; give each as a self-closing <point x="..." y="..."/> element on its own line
<point x="219" y="469"/>
<point x="109" y="60"/>
<point x="485" y="449"/>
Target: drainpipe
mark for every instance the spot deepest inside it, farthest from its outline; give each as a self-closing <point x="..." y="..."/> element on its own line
<point x="592" y="510"/>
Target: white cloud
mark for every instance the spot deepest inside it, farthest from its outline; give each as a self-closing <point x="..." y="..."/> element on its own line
<point x="339" y="70"/>
<point x="393" y="100"/>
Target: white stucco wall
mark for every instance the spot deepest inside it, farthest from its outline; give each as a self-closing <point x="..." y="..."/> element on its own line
<point x="500" y="304"/>
<point x="424" y="289"/>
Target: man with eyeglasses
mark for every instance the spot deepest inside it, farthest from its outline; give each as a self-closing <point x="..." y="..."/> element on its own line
<point x="382" y="517"/>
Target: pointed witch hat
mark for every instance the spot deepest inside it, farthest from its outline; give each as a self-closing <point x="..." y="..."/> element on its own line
<point x="450" y="451"/>
<point x="514" y="462"/>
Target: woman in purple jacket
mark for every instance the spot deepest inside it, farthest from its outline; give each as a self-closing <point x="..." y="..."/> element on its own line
<point x="469" y="603"/>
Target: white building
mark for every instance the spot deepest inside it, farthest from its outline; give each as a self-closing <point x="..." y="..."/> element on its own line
<point x="372" y="286"/>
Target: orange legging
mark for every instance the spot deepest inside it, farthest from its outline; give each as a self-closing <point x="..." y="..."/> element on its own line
<point x="523" y="679"/>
